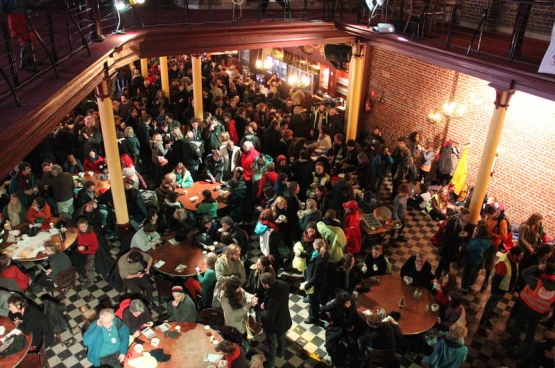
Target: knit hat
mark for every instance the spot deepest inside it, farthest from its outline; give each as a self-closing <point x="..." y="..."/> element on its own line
<point x="351" y="205"/>
<point x="281" y="157"/>
<point x="129" y="181"/>
<point x="177" y="289"/>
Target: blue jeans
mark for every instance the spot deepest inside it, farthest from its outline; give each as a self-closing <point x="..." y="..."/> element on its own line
<point x="275" y="346"/>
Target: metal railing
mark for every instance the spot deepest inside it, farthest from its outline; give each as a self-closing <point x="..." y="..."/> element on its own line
<point x="514" y="30"/>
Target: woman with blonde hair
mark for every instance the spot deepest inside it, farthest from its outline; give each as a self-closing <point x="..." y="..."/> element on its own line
<point x="183" y="176"/>
<point x="451" y="351"/>
<point x="315" y="279"/>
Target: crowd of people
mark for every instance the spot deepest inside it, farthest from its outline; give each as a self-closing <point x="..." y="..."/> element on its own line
<point x="291" y="175"/>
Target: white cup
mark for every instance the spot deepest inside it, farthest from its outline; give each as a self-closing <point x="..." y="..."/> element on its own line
<point x="155" y="342"/>
<point x="91" y="173"/>
<point x="178" y="328"/>
<point x="2" y="330"/>
<point x="81" y="174"/>
<point x="207" y="330"/>
<point x="24" y="236"/>
<point x="139" y="348"/>
<point x="435" y="307"/>
<point x="222" y="364"/>
<point x="51" y="225"/>
<point x="367" y="313"/>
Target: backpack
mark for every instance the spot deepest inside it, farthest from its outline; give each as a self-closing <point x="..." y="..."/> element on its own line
<point x="12" y="345"/>
<point x="508" y="242"/>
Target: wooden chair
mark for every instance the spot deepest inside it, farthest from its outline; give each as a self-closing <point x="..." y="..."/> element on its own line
<point x="64" y="281"/>
<point x="164" y="287"/>
<point x="213" y="317"/>
<point x="379" y="358"/>
<point x="232" y="334"/>
<point x="36" y="359"/>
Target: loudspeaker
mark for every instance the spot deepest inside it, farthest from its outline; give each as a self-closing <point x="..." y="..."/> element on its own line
<point x="338" y="53"/>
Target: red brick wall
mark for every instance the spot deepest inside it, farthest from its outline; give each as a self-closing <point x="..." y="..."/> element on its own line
<point x="523" y="179"/>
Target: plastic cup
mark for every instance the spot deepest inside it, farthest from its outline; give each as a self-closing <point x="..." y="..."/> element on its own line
<point x="155" y="342"/>
<point x="178" y="328"/>
<point x="207" y="330"/>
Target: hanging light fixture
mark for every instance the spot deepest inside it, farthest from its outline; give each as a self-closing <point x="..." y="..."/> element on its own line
<point x="268" y="62"/>
<point x="258" y="63"/>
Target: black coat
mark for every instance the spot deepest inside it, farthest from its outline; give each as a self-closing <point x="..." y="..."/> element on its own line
<point x="316" y="273"/>
<point x="35" y="322"/>
<point x="276" y="317"/>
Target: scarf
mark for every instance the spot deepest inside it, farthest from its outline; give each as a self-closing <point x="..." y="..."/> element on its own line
<point x="315" y="254"/>
<point x="233" y="356"/>
<point x="13" y="214"/>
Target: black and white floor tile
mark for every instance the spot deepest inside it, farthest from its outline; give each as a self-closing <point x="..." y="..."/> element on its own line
<point x="487" y="348"/>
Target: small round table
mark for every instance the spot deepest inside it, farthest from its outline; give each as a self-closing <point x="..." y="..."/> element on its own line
<point x="387" y="294"/>
<point x="183" y="253"/>
<point x="196" y="191"/>
<point x="188" y="350"/>
<point x="70" y="238"/>
<point x="14" y="359"/>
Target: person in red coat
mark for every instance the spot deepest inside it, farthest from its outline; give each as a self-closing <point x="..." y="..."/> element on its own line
<point x="352" y="227"/>
<point x="87" y="245"/>
<point x="247" y="159"/>
<point x="10" y="271"/>
<point x="94" y="162"/>
<point x="269" y="178"/>
<point x="39" y="211"/>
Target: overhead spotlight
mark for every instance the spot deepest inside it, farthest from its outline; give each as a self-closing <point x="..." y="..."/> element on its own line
<point x="120" y="5"/>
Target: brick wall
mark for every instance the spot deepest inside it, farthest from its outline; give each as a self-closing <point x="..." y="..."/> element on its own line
<point x="524" y="173"/>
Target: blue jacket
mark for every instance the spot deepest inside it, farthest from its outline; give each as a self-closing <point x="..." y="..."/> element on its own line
<point x="93" y="340"/>
<point x="475" y="250"/>
<point x="447" y="354"/>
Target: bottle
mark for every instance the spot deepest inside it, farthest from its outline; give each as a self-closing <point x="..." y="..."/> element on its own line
<point x="402" y="302"/>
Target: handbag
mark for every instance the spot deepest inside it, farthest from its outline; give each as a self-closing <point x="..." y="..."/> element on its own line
<point x="12" y="345"/>
<point x="254" y="325"/>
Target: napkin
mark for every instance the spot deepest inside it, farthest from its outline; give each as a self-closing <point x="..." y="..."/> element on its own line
<point x="159" y="355"/>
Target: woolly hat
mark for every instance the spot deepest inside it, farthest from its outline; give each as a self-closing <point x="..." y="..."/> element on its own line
<point x="177" y="289"/>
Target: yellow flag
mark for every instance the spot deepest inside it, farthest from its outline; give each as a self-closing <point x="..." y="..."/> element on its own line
<point x="459" y="176"/>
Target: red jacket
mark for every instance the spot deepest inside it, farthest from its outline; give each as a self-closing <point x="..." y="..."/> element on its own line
<point x="12" y="272"/>
<point x="93" y="165"/>
<point x="87" y="240"/>
<point x="33" y="214"/>
<point x="268" y="175"/>
<point x="247" y="159"/>
<point x="352" y="232"/>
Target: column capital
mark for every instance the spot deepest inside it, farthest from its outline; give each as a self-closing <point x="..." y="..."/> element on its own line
<point x="196" y="55"/>
<point x="502" y="98"/>
<point x="102" y="90"/>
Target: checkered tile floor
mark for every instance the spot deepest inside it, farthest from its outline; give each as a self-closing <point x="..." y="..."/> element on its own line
<point x="487" y="348"/>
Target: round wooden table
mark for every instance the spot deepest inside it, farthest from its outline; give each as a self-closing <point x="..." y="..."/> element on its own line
<point x="184" y="253"/>
<point x="71" y="237"/>
<point x="14" y="359"/>
<point x="387" y="294"/>
<point x="100" y="186"/>
<point x="196" y="190"/>
<point x="186" y="351"/>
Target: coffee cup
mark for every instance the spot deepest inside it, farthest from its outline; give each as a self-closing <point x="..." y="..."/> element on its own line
<point x="24" y="237"/>
<point x="367" y="313"/>
<point x="91" y="173"/>
<point x="207" y="330"/>
<point x="139" y="348"/>
<point x="408" y="280"/>
<point x="435" y="307"/>
<point x="81" y="174"/>
<point x="155" y="342"/>
<point x="178" y="328"/>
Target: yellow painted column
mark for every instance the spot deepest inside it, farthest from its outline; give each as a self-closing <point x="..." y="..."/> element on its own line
<point x="144" y="67"/>
<point x="197" y="86"/>
<point x="164" y="76"/>
<point x="354" y="94"/>
<point x="490" y="150"/>
<point x="109" y="137"/>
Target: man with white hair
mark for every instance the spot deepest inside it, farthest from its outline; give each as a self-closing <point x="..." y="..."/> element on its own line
<point x="107" y="340"/>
